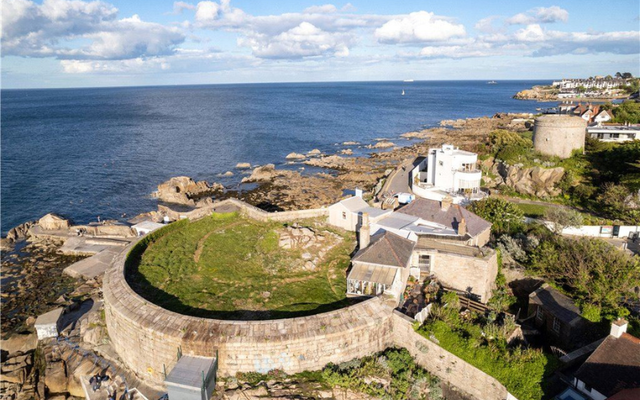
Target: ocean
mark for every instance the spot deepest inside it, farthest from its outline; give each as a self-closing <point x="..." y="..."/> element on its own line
<point x="85" y="153"/>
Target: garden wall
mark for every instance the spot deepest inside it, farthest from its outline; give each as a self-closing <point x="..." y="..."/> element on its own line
<point x="446" y="366"/>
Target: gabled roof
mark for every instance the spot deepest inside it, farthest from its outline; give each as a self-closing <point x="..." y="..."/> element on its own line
<point x="355" y="204"/>
<point x="430" y="210"/>
<point x="556" y="303"/>
<point x="386" y="249"/>
<point x="613" y="366"/>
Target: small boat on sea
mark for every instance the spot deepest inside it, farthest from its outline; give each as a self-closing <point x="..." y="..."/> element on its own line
<point x="408" y="80"/>
<point x="492" y="83"/>
<point x="403" y="92"/>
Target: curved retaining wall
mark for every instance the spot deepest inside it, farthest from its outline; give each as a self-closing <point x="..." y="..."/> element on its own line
<point x="559" y="135"/>
<point x="147" y="337"/>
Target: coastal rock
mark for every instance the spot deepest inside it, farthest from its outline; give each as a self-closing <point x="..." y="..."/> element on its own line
<point x="350" y="143"/>
<point x="314" y="152"/>
<point x="331" y="162"/>
<point x="19" y="232"/>
<point x="228" y="173"/>
<point x="295" y="156"/>
<point x="55" y="377"/>
<point x="534" y="181"/>
<point x="186" y="191"/>
<point x="539" y="93"/>
<point x="347" y="152"/>
<point x="383" y="144"/>
<point x="52" y="222"/>
<point x="243" y="165"/>
<point x="262" y="174"/>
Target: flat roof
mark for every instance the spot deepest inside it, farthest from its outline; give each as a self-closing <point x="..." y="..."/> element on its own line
<point x="188" y="371"/>
<point x="372" y="273"/>
<point x="50" y="317"/>
<point x="469" y="251"/>
<point x="148" y="225"/>
<point x="356" y="204"/>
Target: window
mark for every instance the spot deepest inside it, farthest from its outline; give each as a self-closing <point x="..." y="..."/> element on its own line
<point x="556" y="325"/>
<point x="424" y="262"/>
<point x="344" y="215"/>
<point x="539" y="313"/>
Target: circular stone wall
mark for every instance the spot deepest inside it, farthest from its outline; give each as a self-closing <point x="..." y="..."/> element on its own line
<point x="147" y="337"/>
<point x="559" y="135"/>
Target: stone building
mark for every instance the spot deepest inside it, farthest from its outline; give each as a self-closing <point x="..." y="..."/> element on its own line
<point x="559" y="135"/>
<point x="347" y="214"/>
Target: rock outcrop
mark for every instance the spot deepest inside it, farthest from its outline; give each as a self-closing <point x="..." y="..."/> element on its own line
<point x="534" y="181"/>
<point x="295" y="156"/>
<point x="186" y="191"/>
<point x="243" y="165"/>
<point x="53" y="222"/>
<point x="539" y="93"/>
<point x="263" y="173"/>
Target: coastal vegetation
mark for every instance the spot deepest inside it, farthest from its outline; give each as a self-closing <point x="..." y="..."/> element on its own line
<point x="228" y="266"/>
<point x="482" y="341"/>
<point x="391" y="374"/>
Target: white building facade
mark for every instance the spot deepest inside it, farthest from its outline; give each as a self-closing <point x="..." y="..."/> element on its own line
<point x="614" y="133"/>
<point x="447" y="171"/>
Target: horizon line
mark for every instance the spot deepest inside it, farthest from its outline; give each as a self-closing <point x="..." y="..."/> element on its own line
<point x="275" y="82"/>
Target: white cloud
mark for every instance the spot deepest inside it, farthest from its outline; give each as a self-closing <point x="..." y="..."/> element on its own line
<point x="180" y="6"/>
<point x="46" y="30"/>
<point x="540" y="15"/>
<point x="531" y="33"/>
<point x="418" y="27"/>
<point x="323" y="9"/>
<point x="304" y="40"/>
<point x="486" y="24"/>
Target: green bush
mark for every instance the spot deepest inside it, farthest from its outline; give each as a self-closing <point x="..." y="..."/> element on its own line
<point x="520" y="370"/>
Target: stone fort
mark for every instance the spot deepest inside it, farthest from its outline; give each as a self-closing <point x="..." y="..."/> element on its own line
<point x="559" y="135"/>
<point x="148" y="338"/>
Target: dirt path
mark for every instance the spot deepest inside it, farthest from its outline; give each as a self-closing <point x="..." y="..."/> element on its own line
<point x="200" y="245"/>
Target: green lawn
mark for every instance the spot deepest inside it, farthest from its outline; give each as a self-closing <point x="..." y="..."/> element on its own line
<point x="227" y="266"/>
<point x="532" y="210"/>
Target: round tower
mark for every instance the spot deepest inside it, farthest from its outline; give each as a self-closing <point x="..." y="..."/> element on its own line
<point x="559" y="135"/>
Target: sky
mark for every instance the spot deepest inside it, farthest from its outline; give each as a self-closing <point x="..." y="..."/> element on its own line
<point x="76" y="43"/>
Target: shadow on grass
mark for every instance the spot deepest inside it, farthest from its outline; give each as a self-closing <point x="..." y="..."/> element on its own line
<point x="141" y="285"/>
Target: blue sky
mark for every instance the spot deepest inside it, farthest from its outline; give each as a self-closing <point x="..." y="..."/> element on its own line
<point x="76" y="43"/>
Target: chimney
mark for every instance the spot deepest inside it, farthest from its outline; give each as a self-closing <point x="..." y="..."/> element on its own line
<point x="462" y="223"/>
<point x="445" y="203"/>
<point x="618" y="327"/>
<point x="365" y="231"/>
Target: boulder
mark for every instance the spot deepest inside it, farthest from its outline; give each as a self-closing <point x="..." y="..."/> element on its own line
<point x="314" y="152"/>
<point x="55" y="377"/>
<point x="20" y="342"/>
<point x="243" y="165"/>
<point x="186" y="191"/>
<point x="295" y="156"/>
<point x="51" y="222"/>
<point x="19" y="232"/>
<point x="534" y="181"/>
<point x="384" y="144"/>
<point x="262" y="174"/>
<point x="346" y="152"/>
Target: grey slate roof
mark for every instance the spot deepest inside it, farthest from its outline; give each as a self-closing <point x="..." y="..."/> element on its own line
<point x="558" y="304"/>
<point x="430" y="210"/>
<point x="388" y="249"/>
<point x="613" y="366"/>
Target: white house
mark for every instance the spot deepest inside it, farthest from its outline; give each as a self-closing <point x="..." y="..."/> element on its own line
<point x="347" y="214"/>
<point x="614" y="132"/>
<point x="447" y="171"/>
<point x="603" y="116"/>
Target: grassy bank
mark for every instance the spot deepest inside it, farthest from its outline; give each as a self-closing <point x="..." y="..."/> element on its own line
<point x="227" y="266"/>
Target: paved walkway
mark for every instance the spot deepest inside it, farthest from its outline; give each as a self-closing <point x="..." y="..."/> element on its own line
<point x="95" y="265"/>
<point x="398" y="180"/>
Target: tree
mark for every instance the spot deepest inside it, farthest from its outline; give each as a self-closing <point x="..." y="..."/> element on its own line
<point x="627" y="75"/>
<point x="591" y="271"/>
<point x="504" y="216"/>
<point x="618" y="75"/>
<point x="563" y="218"/>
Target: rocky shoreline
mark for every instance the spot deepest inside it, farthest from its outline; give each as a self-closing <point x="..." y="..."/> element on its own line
<point x="32" y="266"/>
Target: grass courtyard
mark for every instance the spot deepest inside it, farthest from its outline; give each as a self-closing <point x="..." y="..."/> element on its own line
<point x="228" y="266"/>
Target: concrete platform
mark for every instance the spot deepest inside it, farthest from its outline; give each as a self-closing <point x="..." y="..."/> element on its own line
<point x="95" y="265"/>
<point x="82" y="245"/>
